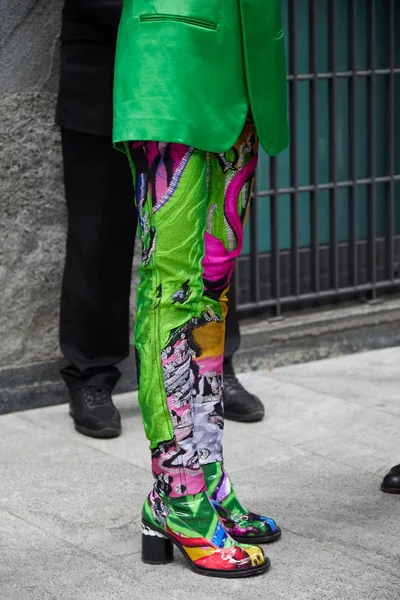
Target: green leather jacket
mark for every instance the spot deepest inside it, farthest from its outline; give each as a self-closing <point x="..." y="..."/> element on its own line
<point x="188" y="71"/>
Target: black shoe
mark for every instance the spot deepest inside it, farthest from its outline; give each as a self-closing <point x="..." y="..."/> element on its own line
<point x="239" y="404"/>
<point x="94" y="413"/>
<point x="391" y="481"/>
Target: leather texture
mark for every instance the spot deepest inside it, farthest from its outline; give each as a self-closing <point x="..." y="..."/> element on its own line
<point x="391" y="481"/>
<point x="188" y="71"/>
<point x="239" y="404"/>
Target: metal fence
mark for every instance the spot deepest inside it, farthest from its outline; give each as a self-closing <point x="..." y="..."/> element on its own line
<point x="349" y="82"/>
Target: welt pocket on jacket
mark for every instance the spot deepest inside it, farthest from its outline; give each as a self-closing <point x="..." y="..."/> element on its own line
<point x="156" y="18"/>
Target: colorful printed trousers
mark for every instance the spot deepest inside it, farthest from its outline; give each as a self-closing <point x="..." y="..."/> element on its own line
<point x="192" y="206"/>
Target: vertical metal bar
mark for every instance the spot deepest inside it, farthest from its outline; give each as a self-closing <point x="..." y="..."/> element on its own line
<point x="391" y="141"/>
<point x="254" y="257"/>
<point x="315" y="277"/>
<point x="353" y="246"/>
<point x="294" y="217"/>
<point x="275" y="251"/>
<point x="334" y="250"/>
<point x="371" y="147"/>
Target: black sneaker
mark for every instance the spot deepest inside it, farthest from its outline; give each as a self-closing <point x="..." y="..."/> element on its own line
<point x="94" y="413"/>
<point x="239" y="404"/>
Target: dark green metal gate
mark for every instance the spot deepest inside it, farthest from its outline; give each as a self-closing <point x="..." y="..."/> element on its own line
<point x="325" y="221"/>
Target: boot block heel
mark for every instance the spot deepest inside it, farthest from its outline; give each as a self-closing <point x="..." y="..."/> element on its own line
<point x="156" y="549"/>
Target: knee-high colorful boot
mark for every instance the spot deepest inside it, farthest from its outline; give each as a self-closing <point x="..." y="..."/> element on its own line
<point x="227" y="207"/>
<point x="243" y="525"/>
<point x="171" y="199"/>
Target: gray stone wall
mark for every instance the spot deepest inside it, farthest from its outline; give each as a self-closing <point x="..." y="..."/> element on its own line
<point x="29" y="45"/>
<point x="32" y="228"/>
<point x="32" y="215"/>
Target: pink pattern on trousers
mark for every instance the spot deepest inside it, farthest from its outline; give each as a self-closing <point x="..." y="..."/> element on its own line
<point x="218" y="262"/>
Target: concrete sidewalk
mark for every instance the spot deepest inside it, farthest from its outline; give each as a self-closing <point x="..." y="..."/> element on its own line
<point x="70" y="506"/>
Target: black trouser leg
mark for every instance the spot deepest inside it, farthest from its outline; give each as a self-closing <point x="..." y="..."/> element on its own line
<point x="232" y="334"/>
<point x="239" y="403"/>
<point x="94" y="311"/>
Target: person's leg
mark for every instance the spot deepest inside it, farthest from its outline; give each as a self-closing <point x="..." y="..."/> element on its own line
<point x="232" y="329"/>
<point x="172" y="312"/>
<point x="94" y="310"/>
<point x="239" y="403"/>
<point x="230" y="181"/>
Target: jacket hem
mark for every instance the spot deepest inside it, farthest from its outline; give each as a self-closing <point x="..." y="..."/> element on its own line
<point x="178" y="132"/>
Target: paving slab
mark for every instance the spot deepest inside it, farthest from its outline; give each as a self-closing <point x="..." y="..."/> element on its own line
<point x="297" y="415"/>
<point x="371" y="379"/>
<point x="337" y="506"/>
<point x="132" y="446"/>
<point x="35" y="565"/>
<point x="70" y="505"/>
<point x="77" y="493"/>
<point x="302" y="569"/>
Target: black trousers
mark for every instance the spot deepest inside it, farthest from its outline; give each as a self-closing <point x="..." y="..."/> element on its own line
<point x="94" y="308"/>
